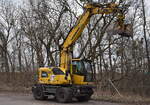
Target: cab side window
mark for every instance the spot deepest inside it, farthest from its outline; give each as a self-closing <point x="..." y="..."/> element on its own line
<point x="44" y="74"/>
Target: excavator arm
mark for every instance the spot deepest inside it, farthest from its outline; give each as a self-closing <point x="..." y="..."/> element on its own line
<point x="76" y="31"/>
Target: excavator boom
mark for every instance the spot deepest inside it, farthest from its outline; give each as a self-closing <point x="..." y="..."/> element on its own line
<point x="75" y="33"/>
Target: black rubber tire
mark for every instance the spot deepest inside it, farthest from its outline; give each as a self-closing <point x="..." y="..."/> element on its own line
<point x="63" y="95"/>
<point x="83" y="98"/>
<point x="38" y="93"/>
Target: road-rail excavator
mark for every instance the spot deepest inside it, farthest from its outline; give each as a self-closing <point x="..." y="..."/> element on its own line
<point x="74" y="77"/>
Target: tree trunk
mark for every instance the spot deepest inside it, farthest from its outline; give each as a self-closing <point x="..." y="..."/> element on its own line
<point x="145" y="37"/>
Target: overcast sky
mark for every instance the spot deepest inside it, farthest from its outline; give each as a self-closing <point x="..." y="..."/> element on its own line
<point x="147" y="2"/>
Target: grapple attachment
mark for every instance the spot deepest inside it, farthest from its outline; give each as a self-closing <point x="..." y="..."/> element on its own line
<point x="125" y="30"/>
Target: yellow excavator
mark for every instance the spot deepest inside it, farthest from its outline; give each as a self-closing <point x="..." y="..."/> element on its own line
<point x="74" y="77"/>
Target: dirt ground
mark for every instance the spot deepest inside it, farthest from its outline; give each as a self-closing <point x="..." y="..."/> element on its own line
<point x="27" y="99"/>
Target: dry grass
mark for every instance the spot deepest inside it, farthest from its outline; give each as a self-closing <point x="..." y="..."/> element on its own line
<point x="125" y="98"/>
<point x="16" y="82"/>
<point x="11" y="88"/>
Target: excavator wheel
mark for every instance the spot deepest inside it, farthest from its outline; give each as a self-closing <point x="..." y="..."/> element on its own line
<point x="83" y="98"/>
<point x="38" y="93"/>
<point x="63" y="95"/>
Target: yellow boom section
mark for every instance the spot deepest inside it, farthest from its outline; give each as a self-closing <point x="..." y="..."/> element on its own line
<point x="75" y="33"/>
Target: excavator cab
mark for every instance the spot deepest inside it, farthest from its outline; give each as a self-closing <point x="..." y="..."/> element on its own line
<point x="82" y="71"/>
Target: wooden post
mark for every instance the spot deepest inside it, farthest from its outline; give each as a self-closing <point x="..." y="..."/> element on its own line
<point x="115" y="87"/>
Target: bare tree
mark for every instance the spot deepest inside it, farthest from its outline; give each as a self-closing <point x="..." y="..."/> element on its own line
<point x="8" y="18"/>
